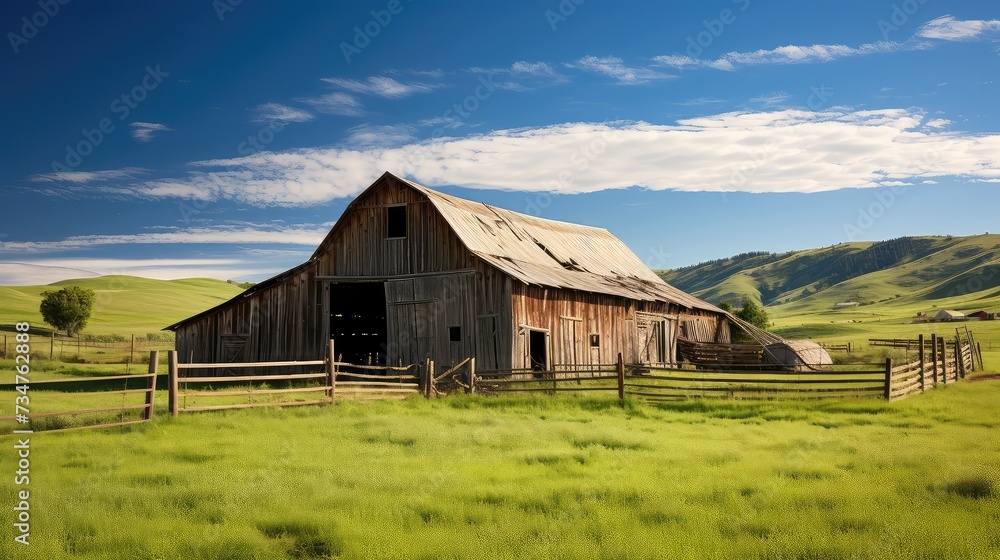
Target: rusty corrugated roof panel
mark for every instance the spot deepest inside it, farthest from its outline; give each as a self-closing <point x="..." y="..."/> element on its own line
<point x="552" y="253"/>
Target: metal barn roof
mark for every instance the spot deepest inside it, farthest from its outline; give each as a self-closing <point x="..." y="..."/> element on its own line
<point x="554" y="254"/>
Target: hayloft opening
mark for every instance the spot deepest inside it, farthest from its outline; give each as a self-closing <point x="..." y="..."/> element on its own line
<point x="357" y="322"/>
<point x="395" y="219"/>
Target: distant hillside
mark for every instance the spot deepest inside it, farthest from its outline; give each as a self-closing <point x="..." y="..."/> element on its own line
<point x="962" y="270"/>
<point x="125" y="304"/>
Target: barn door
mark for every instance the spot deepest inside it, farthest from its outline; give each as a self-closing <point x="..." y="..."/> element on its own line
<point x="412" y="328"/>
<point x="652" y="340"/>
<point x="487" y="342"/>
<point x="570" y="351"/>
<point x="233" y="345"/>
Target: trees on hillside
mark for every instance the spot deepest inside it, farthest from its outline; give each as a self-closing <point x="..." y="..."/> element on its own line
<point x="68" y="309"/>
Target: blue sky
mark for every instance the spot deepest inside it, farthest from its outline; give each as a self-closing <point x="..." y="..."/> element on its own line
<point x="223" y="138"/>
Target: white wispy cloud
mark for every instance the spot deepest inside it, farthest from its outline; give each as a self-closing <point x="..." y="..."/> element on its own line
<point x="83" y="177"/>
<point x="335" y="103"/>
<point x="789" y="54"/>
<point x="143" y="131"/>
<point x="772" y="98"/>
<point x="266" y="235"/>
<point x="614" y="67"/>
<point x="380" y="86"/>
<point x="776" y="151"/>
<point x="699" y="101"/>
<point x="950" y="29"/>
<point x="47" y="271"/>
<point x="366" y="135"/>
<point x="522" y="75"/>
<point x="278" y="113"/>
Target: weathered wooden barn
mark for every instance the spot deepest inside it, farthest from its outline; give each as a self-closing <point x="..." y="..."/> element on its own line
<point x="409" y="273"/>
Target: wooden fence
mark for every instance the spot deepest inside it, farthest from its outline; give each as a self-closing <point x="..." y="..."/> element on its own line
<point x="58" y="420"/>
<point x="336" y="380"/>
<point x="938" y="363"/>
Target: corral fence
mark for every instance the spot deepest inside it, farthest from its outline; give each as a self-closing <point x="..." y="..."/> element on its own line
<point x="222" y="387"/>
<point x="87" y="402"/>
<point x="939" y="363"/>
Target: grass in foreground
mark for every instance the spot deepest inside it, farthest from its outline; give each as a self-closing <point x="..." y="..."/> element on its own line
<point x="547" y="477"/>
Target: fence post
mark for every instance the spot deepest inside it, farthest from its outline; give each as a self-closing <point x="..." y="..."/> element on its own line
<point x="472" y="375"/>
<point x="331" y="372"/>
<point x="172" y="382"/>
<point x="943" y="354"/>
<point x="430" y="377"/>
<point x="52" y="344"/>
<point x="426" y="378"/>
<point x="888" y="378"/>
<point x="621" y="377"/>
<point x="923" y="375"/>
<point x="934" y="361"/>
<point x="154" y="359"/>
<point x="959" y="360"/>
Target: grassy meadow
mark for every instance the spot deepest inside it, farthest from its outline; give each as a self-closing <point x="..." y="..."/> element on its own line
<point x="546" y="477"/>
<point x="125" y="304"/>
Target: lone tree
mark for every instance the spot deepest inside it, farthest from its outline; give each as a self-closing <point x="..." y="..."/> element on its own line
<point x="751" y="313"/>
<point x="68" y="309"/>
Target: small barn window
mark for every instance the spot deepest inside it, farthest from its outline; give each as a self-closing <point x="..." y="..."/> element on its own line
<point x="595" y="340"/>
<point x="455" y="334"/>
<point x="395" y="219"/>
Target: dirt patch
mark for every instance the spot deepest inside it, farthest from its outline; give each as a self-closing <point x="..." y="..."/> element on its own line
<point x="991" y="377"/>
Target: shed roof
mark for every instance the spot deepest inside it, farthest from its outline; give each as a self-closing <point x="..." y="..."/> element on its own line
<point x="948" y="313"/>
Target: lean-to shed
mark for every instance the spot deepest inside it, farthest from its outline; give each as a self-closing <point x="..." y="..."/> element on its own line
<point x="409" y="273"/>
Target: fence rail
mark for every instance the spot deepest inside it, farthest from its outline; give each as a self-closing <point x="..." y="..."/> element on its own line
<point x="337" y="380"/>
<point x="100" y="414"/>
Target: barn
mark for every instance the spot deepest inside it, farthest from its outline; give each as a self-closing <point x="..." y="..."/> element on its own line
<point x="408" y="273"/>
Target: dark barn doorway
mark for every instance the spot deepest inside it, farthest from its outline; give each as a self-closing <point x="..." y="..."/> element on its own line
<point x="357" y="322"/>
<point x="537" y="350"/>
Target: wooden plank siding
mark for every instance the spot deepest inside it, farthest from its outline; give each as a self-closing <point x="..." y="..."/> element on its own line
<point x="280" y="321"/>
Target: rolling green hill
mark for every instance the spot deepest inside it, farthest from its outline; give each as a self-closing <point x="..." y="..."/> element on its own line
<point x="125" y="304"/>
<point x="912" y="269"/>
<point x="891" y="281"/>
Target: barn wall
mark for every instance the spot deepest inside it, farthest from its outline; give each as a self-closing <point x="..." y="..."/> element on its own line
<point x="643" y="332"/>
<point x="278" y="322"/>
<point x="360" y="246"/>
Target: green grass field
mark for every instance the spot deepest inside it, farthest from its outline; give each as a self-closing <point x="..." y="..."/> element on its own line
<point x="125" y="304"/>
<point x="545" y="477"/>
